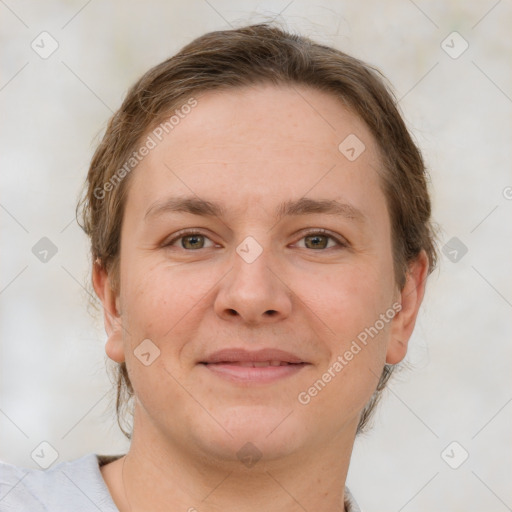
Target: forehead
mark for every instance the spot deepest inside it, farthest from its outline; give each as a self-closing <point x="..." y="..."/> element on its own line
<point x="260" y="143"/>
<point x="247" y="119"/>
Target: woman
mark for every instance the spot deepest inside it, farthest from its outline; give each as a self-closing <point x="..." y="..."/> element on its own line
<point x="260" y="229"/>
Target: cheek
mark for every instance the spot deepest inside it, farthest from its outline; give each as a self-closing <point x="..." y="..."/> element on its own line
<point x="150" y="293"/>
<point x="357" y="339"/>
<point x="352" y="302"/>
<point x="159" y="304"/>
<point x="164" y="303"/>
<point x="347" y="297"/>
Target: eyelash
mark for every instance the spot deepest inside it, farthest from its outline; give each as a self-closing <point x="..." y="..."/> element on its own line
<point x="342" y="243"/>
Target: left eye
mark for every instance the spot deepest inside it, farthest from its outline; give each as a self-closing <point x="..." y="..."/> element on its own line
<point x="320" y="240"/>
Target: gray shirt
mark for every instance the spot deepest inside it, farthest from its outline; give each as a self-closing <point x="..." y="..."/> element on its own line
<point x="76" y="486"/>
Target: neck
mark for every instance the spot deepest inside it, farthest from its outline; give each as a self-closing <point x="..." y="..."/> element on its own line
<point x="161" y="476"/>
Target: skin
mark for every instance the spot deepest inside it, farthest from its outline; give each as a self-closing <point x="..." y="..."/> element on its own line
<point x="249" y="150"/>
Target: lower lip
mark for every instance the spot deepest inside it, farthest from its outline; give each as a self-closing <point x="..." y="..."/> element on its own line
<point x="249" y="374"/>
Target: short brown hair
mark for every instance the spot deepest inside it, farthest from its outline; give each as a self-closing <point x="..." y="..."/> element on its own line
<point x="258" y="54"/>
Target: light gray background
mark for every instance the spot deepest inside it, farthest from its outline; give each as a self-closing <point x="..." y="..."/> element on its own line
<point x="54" y="386"/>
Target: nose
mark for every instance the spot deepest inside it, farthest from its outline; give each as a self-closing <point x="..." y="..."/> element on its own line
<point x="254" y="292"/>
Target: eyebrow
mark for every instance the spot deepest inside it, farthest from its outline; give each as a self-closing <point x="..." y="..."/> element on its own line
<point x="302" y="206"/>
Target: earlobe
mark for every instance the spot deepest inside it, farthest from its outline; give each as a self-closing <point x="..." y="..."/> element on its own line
<point x="114" y="348"/>
<point x="411" y="297"/>
<point x="397" y="350"/>
<point x="112" y="319"/>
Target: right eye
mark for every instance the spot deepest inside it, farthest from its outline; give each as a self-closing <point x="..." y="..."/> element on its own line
<point x="190" y="240"/>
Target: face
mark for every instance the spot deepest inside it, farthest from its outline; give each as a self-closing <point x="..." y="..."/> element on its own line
<point x="255" y="255"/>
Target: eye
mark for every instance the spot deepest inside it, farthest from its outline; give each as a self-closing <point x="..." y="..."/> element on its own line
<point x="320" y="239"/>
<point x="316" y="240"/>
<point x="190" y="240"/>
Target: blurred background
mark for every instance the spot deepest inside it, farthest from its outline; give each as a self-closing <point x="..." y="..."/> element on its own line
<point x="441" y="437"/>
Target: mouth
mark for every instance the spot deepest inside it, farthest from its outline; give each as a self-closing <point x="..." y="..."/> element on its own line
<point x="263" y="366"/>
<point x="256" y="364"/>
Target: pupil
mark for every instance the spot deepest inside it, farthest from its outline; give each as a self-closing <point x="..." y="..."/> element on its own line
<point x="315" y="239"/>
<point x="191" y="240"/>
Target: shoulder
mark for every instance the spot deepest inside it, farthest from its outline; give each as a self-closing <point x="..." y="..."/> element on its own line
<point x="76" y="485"/>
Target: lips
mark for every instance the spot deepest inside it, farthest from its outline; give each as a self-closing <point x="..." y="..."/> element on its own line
<point x="261" y="366"/>
<point x="274" y="357"/>
<point x="255" y="364"/>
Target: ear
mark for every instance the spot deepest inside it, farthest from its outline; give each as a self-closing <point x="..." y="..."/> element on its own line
<point x="113" y="321"/>
<point x="411" y="297"/>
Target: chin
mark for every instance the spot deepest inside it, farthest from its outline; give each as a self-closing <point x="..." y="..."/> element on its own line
<point x="254" y="431"/>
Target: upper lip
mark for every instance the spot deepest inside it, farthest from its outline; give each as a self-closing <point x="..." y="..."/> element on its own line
<point x="242" y="355"/>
